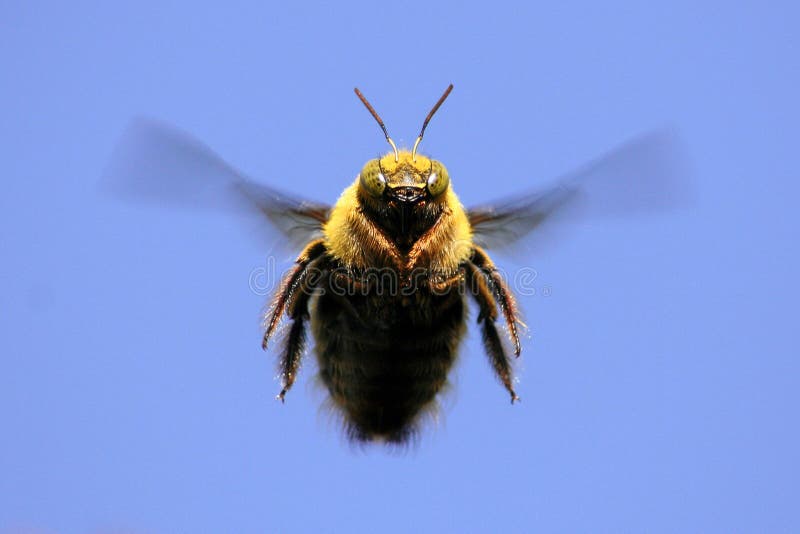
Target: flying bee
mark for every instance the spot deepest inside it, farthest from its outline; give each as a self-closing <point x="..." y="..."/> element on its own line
<point x="386" y="274"/>
<point x="385" y="344"/>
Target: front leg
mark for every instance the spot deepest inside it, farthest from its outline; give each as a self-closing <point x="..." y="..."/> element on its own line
<point x="290" y="283"/>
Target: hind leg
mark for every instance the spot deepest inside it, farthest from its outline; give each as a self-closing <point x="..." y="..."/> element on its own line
<point x="479" y="286"/>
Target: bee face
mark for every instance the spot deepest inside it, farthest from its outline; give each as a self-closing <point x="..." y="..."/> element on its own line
<point x="406" y="178"/>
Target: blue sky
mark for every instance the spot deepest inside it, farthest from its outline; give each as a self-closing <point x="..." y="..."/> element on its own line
<point x="660" y="382"/>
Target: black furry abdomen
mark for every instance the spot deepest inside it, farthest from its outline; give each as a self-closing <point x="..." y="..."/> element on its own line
<point x="384" y="359"/>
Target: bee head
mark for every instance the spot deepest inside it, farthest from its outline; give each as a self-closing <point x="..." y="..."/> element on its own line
<point x="407" y="179"/>
<point x="402" y="176"/>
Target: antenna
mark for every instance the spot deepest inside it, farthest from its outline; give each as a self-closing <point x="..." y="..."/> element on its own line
<point x="427" y="120"/>
<point x="380" y="122"/>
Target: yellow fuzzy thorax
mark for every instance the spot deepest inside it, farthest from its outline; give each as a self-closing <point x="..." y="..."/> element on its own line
<point x="358" y="244"/>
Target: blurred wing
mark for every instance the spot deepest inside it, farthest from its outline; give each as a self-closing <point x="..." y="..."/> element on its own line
<point x="154" y="162"/>
<point x="297" y="219"/>
<point x="645" y="175"/>
<point x="506" y="221"/>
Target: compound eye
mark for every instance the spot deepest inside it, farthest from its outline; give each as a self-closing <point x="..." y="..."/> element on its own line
<point x="372" y="179"/>
<point x="438" y="180"/>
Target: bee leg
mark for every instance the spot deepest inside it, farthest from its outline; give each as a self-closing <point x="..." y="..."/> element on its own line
<point x="292" y="296"/>
<point x="297" y="310"/>
<point x="442" y="287"/>
<point x="292" y="354"/>
<point x="502" y="366"/>
<point x="288" y="286"/>
<point x="478" y="283"/>
<point x="503" y="295"/>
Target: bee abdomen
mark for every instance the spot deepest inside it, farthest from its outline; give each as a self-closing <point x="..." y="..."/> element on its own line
<point x="383" y="380"/>
<point x="383" y="393"/>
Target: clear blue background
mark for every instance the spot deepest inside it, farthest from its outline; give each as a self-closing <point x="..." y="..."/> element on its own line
<point x="659" y="388"/>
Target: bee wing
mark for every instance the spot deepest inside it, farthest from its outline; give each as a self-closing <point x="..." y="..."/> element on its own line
<point x="645" y="175"/>
<point x="155" y="162"/>
<point x="297" y="219"/>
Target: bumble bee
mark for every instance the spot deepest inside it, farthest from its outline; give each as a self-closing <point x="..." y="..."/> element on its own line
<point x="385" y="275"/>
<point x="392" y="265"/>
